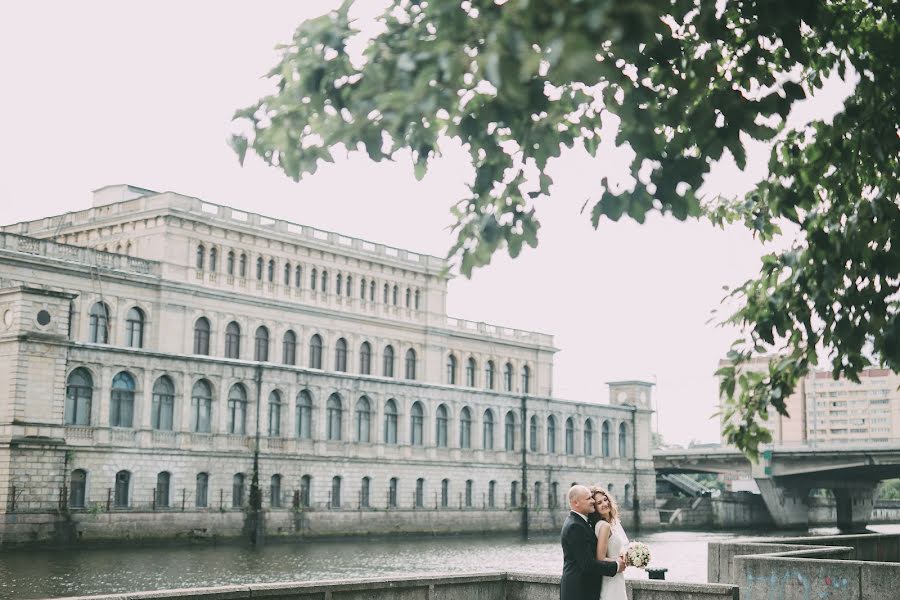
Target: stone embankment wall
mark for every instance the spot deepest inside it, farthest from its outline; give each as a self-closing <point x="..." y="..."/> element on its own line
<point x="489" y="586"/>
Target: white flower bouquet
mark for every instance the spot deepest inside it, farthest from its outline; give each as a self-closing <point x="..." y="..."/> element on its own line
<point x="638" y="554"/>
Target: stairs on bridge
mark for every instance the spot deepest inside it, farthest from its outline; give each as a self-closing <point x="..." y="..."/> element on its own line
<point x="685" y="485"/>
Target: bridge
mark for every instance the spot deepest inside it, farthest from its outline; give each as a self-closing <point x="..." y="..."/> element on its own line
<point x="786" y="474"/>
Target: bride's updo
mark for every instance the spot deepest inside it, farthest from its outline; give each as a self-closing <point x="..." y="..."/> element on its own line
<point x="613" y="507"/>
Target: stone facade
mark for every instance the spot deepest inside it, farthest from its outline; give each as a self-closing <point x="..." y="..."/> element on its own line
<point x="142" y="366"/>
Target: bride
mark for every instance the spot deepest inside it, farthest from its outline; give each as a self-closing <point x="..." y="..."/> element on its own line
<point x="611" y="540"/>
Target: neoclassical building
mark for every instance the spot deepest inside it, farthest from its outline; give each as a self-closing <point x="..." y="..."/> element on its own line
<point x="152" y="344"/>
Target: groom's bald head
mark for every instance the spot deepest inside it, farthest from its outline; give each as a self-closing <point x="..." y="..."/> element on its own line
<point x="580" y="500"/>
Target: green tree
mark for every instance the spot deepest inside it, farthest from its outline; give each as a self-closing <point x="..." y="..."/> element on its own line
<point x="518" y="81"/>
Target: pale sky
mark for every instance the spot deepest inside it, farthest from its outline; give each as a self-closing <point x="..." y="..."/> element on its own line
<point x="97" y="93"/>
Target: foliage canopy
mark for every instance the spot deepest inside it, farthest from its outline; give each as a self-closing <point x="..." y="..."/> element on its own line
<point x="518" y="80"/>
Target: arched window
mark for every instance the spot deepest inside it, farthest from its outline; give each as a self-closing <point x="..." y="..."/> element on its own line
<point x="77" y="488"/>
<point x="237" y="490"/>
<point x="570" y="436"/>
<point x="289" y="348"/>
<point x="440" y="426"/>
<point x="261" y="346"/>
<point x="551" y="435"/>
<point x="588" y="437"/>
<point x="416" y="424"/>
<point x="229" y="266"/>
<point x="233" y="340"/>
<point x="275" y="491"/>
<point x="470" y="372"/>
<point x="335" y="492"/>
<point x="121" y="410"/>
<point x="340" y="355"/>
<point x="623" y="440"/>
<point x="364" y="492"/>
<point x="270" y="271"/>
<point x="334" y="413"/>
<point x="163" y="480"/>
<point x="372" y="291"/>
<point x="338" y="284"/>
<point x="554" y="494"/>
<point x="417" y="300"/>
<point x="201" y="491"/>
<point x="79" y="397"/>
<point x="201" y="255"/>
<point x="259" y="268"/>
<point x="408" y="298"/>
<point x="387" y="291"/>
<point x="604" y="439"/>
<point x="298" y="276"/>
<point x="365" y="359"/>
<point x="349" y="290"/>
<point x="287" y="274"/>
<point x="99" y="323"/>
<point x="274" y="413"/>
<point x="134" y="328"/>
<point x="465" y="428"/>
<point x="526" y="379"/>
<point x="304" y="415"/>
<point x="627" y="499"/>
<point x="363" y="419"/>
<point x="388" y="361"/>
<point x="508" y="377"/>
<point x="162" y="408"/>
<point x="510" y="431"/>
<point x="315" y="352"/>
<point x="533" y="434"/>
<point x="489" y="375"/>
<point x="305" y="491"/>
<point x="201" y="336"/>
<point x="324" y="281"/>
<point x="469" y="486"/>
<point x="390" y="422"/>
<point x="514" y="493"/>
<point x="492" y="494"/>
<point x="122" y="489"/>
<point x="445" y="493"/>
<point x="451" y="369"/>
<point x="410" y="364"/>
<point x="537" y="494"/>
<point x="420" y="493"/>
<point x="313" y="279"/>
<point x="201" y="407"/>
<point x="213" y="259"/>
<point x="488" y="431"/>
<point x="237" y="409"/>
<point x="392" y="493"/>
<point x="243" y="266"/>
<point x="362" y="288"/>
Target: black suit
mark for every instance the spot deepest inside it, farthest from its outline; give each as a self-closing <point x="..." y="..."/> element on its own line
<point x="583" y="574"/>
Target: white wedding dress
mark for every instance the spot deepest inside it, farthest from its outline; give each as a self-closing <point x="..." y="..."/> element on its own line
<point x="614" y="587"/>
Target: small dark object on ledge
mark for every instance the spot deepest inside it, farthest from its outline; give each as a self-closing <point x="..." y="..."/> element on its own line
<point x="657" y="572"/>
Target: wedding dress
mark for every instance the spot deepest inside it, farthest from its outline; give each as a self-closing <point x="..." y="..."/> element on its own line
<point x="614" y="587"/>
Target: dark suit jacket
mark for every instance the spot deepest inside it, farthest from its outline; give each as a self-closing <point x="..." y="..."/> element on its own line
<point x="583" y="574"/>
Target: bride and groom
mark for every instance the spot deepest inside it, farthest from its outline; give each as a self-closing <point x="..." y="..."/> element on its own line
<point x="594" y="545"/>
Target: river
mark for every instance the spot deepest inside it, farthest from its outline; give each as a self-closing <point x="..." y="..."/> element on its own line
<point x="28" y="574"/>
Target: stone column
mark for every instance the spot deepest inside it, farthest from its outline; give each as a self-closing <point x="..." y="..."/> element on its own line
<point x="787" y="504"/>
<point x="854" y="505"/>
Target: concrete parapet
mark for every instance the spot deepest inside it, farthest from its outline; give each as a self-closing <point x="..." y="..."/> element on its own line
<point x="764" y="577"/>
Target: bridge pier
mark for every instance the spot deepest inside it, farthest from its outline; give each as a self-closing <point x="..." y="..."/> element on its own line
<point x="787" y="504"/>
<point x="854" y="505"/>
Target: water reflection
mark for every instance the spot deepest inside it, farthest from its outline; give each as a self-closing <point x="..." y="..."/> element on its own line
<point x="47" y="574"/>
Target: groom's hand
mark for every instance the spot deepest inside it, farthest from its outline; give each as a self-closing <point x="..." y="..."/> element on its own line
<point x="621" y="562"/>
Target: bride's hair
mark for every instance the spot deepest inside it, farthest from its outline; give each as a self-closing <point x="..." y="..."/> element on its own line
<point x="613" y="507"/>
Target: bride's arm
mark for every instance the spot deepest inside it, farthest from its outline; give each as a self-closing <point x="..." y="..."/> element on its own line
<point x="603" y="533"/>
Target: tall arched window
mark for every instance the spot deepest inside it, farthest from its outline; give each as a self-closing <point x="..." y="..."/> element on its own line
<point x="364" y="492"/>
<point x="201" y="336"/>
<point x="201" y="491"/>
<point x="270" y="271"/>
<point x="392" y="492"/>
<point x="304" y="415"/>
<point x="492" y="494"/>
<point x="313" y="279"/>
<point x="451" y="369"/>
<point x="237" y="490"/>
<point x="623" y="440"/>
<point x="305" y="491"/>
<point x="551" y="435"/>
<point x="604" y="439"/>
<point x="470" y="372"/>
<point x="362" y="288"/>
<point x="289" y="348"/>
<point x="469" y="494"/>
<point x="465" y="428"/>
<point x="510" y="431"/>
<point x="243" y="266"/>
<point x="99" y="323"/>
<point x="440" y="426"/>
<point x="554" y="494"/>
<point x="416" y="424"/>
<point x="287" y="274"/>
<point x="229" y="265"/>
<point x="213" y="259"/>
<point x="334" y="413"/>
<point x="526" y="380"/>
<point x="420" y="493"/>
<point x="134" y="328"/>
<point x="79" y="397"/>
<point x="261" y="345"/>
<point x="315" y="352"/>
<point x="570" y="436"/>
<point x="77" y="488"/>
<point x="201" y="407"/>
<point x="514" y="493"/>
<point x="122" y="489"/>
<point x="410" y="364"/>
<point x="533" y="434"/>
<point x="201" y="255"/>
<point x="163" y="480"/>
<point x="628" y="500"/>
<point x="275" y="491"/>
<point x="417" y="300"/>
<point x="259" y="268"/>
<point x="324" y="281"/>
<point x="408" y="298"/>
<point x="275" y="413"/>
<point x="338" y="284"/>
<point x="349" y="290"/>
<point x="489" y="375"/>
<point x="233" y="340"/>
<point x="365" y="359"/>
<point x="340" y="355"/>
<point x="372" y="291"/>
<point x="588" y="437"/>
<point x="508" y="377"/>
<point x="121" y="409"/>
<point x="298" y="276"/>
<point x="445" y="493"/>
<point x="390" y="422"/>
<point x="394" y="296"/>
<point x="387" y="292"/>
<point x="487" y="436"/>
<point x="388" y="361"/>
<point x="363" y="419"/>
<point x="237" y="409"/>
<point x="335" y="492"/>
<point x="537" y="494"/>
<point x="162" y="408"/>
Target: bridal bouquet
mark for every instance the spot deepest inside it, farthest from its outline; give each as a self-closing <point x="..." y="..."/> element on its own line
<point x="638" y="554"/>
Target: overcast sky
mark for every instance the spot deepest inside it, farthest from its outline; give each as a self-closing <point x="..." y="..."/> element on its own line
<point x="98" y="93"/>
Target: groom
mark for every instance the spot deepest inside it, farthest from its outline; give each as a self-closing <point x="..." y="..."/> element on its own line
<point x="583" y="574"/>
